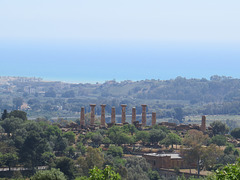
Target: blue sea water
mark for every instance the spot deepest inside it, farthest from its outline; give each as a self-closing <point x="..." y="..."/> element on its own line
<point x="100" y="61"/>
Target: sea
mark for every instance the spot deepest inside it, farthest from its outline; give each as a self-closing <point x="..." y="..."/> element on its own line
<point x="100" y="61"/>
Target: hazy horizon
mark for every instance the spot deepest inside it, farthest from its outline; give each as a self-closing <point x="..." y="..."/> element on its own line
<point x="93" y="41"/>
<point x="101" y="61"/>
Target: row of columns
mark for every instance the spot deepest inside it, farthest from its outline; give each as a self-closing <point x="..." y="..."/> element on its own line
<point x="113" y="115"/>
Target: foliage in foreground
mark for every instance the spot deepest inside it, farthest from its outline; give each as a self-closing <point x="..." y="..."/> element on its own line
<point x="230" y="171"/>
<point x="98" y="174"/>
<point x="53" y="174"/>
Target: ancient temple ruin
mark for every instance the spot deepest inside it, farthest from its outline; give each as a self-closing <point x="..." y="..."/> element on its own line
<point x="134" y="121"/>
<point x="113" y="116"/>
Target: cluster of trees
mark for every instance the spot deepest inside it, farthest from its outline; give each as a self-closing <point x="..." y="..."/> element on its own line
<point x="94" y="174"/>
<point x="115" y="139"/>
<point x="128" y="134"/>
<point x="40" y="143"/>
<point x="218" y="88"/>
<point x="230" y="172"/>
<point x="31" y="144"/>
<point x="203" y="151"/>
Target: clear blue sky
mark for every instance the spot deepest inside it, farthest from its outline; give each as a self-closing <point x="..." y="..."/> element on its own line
<point x="136" y="30"/>
<point x="171" y="20"/>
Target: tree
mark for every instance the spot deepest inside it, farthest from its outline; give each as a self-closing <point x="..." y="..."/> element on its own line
<point x="53" y="174"/>
<point x="194" y="140"/>
<point x="163" y="128"/>
<point x="53" y="131"/>
<point x="60" y="144"/>
<point x="178" y="114"/>
<point x="235" y="133"/>
<point x="229" y="172"/>
<point x="32" y="150"/>
<point x="11" y="124"/>
<point x="70" y="136"/>
<point x="227" y="159"/>
<point x="129" y="128"/>
<point x="117" y="163"/>
<point x="113" y="131"/>
<point x="219" y="140"/>
<point x="138" y="168"/>
<point x="115" y="151"/>
<point x="34" y="126"/>
<point x="48" y="159"/>
<point x="195" y="137"/>
<point x="81" y="148"/>
<point x="210" y="155"/>
<point x="8" y="159"/>
<point x="5" y="114"/>
<point x="71" y="152"/>
<point x="154" y="175"/>
<point x="123" y="138"/>
<point x="98" y="174"/>
<point x="229" y="149"/>
<point x="105" y="174"/>
<point x="156" y="135"/>
<point x="219" y="127"/>
<point x="18" y="114"/>
<point x="67" y="166"/>
<point x="97" y="139"/>
<point x="117" y="136"/>
<point x="19" y="137"/>
<point x="106" y="141"/>
<point x="142" y="136"/>
<point x="171" y="139"/>
<point x="93" y="158"/>
<point x="192" y="157"/>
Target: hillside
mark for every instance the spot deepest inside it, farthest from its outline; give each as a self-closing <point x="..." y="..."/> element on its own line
<point x="219" y="95"/>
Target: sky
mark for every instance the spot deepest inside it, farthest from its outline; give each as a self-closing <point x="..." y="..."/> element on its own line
<point x="89" y="41"/>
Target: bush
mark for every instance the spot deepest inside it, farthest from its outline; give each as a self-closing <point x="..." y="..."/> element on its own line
<point x="235" y="133"/>
<point x="231" y="171"/>
<point x="219" y="140"/>
<point x="115" y="151"/>
<point x="53" y="174"/>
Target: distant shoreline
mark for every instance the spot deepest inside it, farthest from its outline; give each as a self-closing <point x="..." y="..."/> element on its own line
<point x="40" y="79"/>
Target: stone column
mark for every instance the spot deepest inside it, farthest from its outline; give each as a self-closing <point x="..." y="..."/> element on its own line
<point x="82" y="117"/>
<point x="92" y="114"/>
<point x="154" y="118"/>
<point x="103" y="115"/>
<point x="123" y="113"/>
<point x="203" y="125"/>
<point x="133" y="114"/>
<point x="144" y="115"/>
<point x="113" y="115"/>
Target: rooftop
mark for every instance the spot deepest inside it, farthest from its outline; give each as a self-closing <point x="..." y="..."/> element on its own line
<point x="173" y="156"/>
